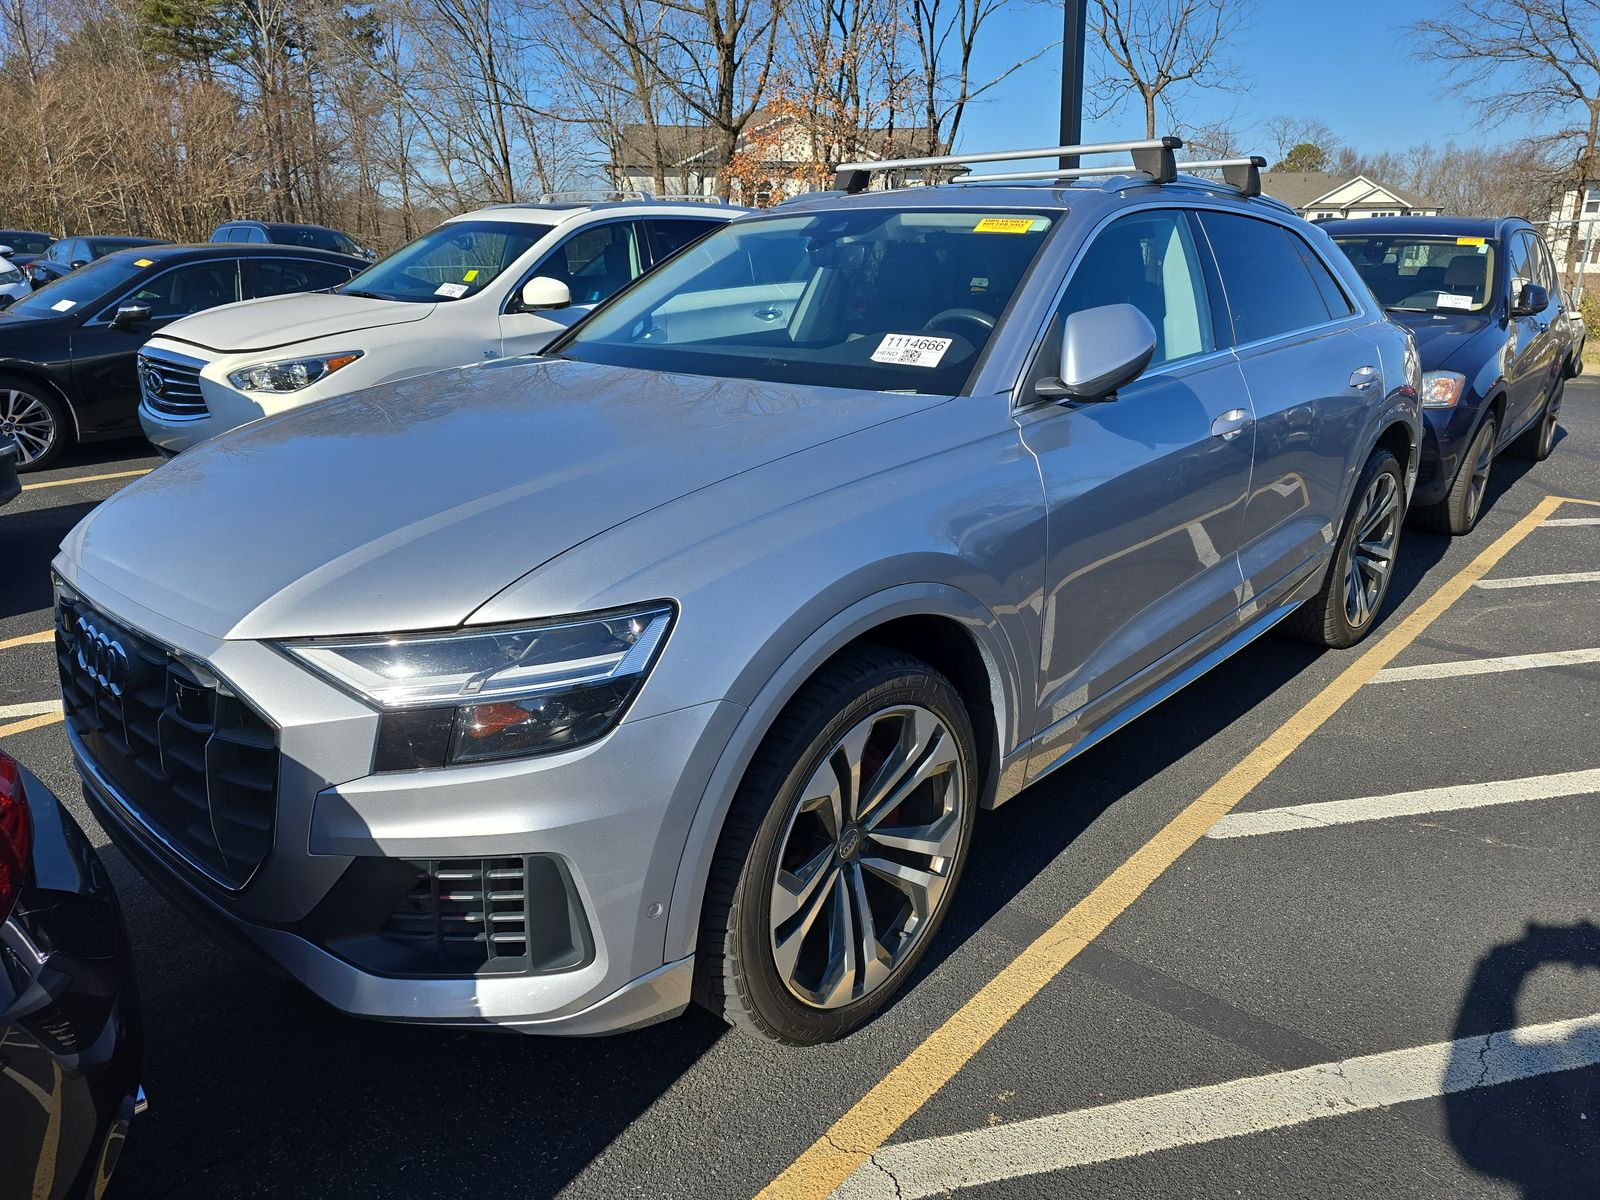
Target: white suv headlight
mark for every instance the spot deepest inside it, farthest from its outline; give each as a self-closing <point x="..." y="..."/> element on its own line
<point x="292" y="374"/>
<point x="479" y="695"/>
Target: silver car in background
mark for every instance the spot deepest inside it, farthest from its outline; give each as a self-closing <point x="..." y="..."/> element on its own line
<point x="677" y="663"/>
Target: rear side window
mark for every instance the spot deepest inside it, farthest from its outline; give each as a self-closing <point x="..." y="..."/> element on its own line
<point x="1269" y="287"/>
<point x="1521" y="263"/>
<point x="282" y="276"/>
<point x="1333" y="297"/>
<point x="1544" y="268"/>
<point x="668" y="236"/>
<point x="1147" y="260"/>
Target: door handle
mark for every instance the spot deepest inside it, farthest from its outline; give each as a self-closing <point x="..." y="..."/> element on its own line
<point x="1363" y="377"/>
<point x="1229" y="424"/>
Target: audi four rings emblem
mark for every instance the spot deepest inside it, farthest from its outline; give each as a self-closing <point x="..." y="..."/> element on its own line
<point x="102" y="658"/>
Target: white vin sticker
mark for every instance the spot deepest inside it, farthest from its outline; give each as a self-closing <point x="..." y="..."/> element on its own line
<point x="1446" y="300"/>
<point x="454" y="290"/>
<point x="911" y="350"/>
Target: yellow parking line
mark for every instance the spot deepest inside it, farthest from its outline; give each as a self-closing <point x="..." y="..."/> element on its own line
<point x="28" y="639"/>
<point x="23" y="726"/>
<point x="49" y="483"/>
<point x="894" y="1099"/>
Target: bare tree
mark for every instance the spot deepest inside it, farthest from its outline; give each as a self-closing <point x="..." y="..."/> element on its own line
<point x="1285" y="134"/>
<point x="945" y="33"/>
<point x="1154" y="49"/>
<point x="1538" y="58"/>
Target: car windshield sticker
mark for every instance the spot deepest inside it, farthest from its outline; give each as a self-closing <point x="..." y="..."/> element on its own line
<point x="1469" y="241"/>
<point x="470" y="275"/>
<point x="1446" y="300"/>
<point x="63" y="305"/>
<point x="911" y="350"/>
<point x="1003" y="225"/>
<point x="143" y="262"/>
<point x="454" y="290"/>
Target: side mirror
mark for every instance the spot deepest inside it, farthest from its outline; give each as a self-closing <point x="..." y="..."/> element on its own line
<point x="1102" y="349"/>
<point x="543" y="292"/>
<point x="79" y="262"/>
<point x="130" y="314"/>
<point x="6" y="251"/>
<point x="1533" y="299"/>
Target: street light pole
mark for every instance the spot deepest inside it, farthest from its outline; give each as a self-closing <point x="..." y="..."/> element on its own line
<point x="1074" y="24"/>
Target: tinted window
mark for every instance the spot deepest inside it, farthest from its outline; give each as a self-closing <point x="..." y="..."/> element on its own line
<point x="280" y="276"/>
<point x="222" y="233"/>
<point x="188" y="289"/>
<point x="100" y="247"/>
<point x="667" y="237"/>
<point x="1147" y="260"/>
<point x="596" y="261"/>
<point x="868" y="298"/>
<point x="25" y="243"/>
<point x="66" y="252"/>
<point x="1543" y="269"/>
<point x="1333" y="297"/>
<point x="80" y="289"/>
<point x="1268" y="288"/>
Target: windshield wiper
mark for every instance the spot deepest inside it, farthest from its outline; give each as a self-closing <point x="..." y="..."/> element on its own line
<point x="364" y="294"/>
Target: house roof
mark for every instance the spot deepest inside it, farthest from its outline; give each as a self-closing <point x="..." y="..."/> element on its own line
<point x="686" y="144"/>
<point x="1302" y="189"/>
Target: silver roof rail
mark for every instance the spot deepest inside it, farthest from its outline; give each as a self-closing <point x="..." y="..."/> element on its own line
<point x="1151" y="157"/>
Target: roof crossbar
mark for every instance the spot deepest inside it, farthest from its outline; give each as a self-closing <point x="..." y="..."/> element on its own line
<point x="1241" y="173"/>
<point x="1153" y="158"/>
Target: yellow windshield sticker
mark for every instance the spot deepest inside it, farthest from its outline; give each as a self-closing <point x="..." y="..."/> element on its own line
<point x="470" y="276"/>
<point x="1469" y="241"/>
<point x="143" y="262"/>
<point x="1003" y="225"/>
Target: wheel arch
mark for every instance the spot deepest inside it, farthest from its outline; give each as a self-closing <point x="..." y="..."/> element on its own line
<point x="30" y="372"/>
<point x="946" y="627"/>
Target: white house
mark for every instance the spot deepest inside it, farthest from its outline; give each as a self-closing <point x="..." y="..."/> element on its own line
<point x="1582" y="205"/>
<point x="1319" y="195"/>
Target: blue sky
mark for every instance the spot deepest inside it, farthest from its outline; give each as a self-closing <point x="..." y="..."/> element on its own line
<point x="1353" y="65"/>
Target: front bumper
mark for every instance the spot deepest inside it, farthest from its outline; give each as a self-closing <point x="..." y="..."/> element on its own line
<point x="614" y="815"/>
<point x="68" y="1017"/>
<point x="173" y="434"/>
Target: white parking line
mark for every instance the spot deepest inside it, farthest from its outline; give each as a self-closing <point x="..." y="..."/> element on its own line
<point x="1404" y="804"/>
<point x="1519" y="581"/>
<point x="1487" y="666"/>
<point x="937" y="1165"/>
<point x="1568" y="521"/>
<point x="35" y="709"/>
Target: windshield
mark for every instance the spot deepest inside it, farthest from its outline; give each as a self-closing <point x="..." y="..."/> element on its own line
<point x="83" y="287"/>
<point x="874" y="298"/>
<point x="103" y="246"/>
<point x="312" y="236"/>
<point x="452" y="262"/>
<point x="25" y="243"/>
<point x="1432" y="274"/>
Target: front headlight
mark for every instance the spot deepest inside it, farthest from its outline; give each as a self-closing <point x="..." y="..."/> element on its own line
<point x="1441" y="389"/>
<point x="290" y="375"/>
<point x="488" y="694"/>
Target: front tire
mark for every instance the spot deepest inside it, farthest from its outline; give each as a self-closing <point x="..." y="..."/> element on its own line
<point x="37" y="419"/>
<point x="841" y="852"/>
<point x="1462" y="505"/>
<point x="1346" y="608"/>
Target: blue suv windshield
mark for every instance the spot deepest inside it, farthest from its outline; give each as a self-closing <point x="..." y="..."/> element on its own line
<point x="1425" y="274"/>
<point x="873" y="298"/>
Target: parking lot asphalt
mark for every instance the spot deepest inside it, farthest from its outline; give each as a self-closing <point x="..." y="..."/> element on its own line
<point x="1397" y="994"/>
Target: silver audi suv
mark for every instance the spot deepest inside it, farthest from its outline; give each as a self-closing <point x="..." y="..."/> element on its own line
<point x="677" y="663"/>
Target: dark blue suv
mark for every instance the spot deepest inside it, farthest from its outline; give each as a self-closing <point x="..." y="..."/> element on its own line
<point x="1483" y="300"/>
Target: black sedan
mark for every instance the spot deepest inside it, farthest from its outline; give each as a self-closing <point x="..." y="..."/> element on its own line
<point x="70" y="1063"/>
<point x="26" y="245"/>
<point x="70" y="253"/>
<point x="67" y="352"/>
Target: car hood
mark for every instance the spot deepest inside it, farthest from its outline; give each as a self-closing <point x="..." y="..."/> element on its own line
<point x="408" y="506"/>
<point x="1442" y="338"/>
<point x="275" y="321"/>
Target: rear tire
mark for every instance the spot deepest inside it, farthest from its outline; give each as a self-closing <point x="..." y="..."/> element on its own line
<point x="1462" y="505"/>
<point x="1346" y="607"/>
<point x="813" y="916"/>
<point x="1537" y="441"/>
<point x="37" y="419"/>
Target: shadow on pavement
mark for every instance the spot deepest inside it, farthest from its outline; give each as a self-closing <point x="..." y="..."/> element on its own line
<point x="29" y="538"/>
<point x="1541" y="1134"/>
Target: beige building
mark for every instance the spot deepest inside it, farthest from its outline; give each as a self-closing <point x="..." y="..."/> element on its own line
<point x="1320" y="196"/>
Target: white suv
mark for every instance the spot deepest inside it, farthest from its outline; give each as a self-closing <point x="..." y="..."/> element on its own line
<point x="490" y="284"/>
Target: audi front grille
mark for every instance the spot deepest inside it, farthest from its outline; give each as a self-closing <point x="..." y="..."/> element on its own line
<point x="190" y="762"/>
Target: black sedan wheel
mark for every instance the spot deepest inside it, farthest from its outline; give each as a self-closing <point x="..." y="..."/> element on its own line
<point x="35" y="419"/>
